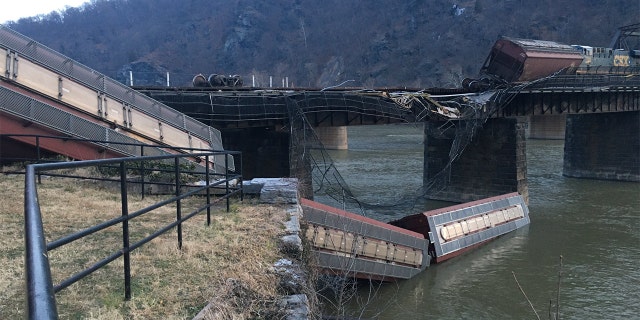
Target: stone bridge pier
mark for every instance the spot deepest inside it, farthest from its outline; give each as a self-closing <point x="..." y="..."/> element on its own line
<point x="597" y="146"/>
<point x="603" y="146"/>
<point x="493" y="163"/>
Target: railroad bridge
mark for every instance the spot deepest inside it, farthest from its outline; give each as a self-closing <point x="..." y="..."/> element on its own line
<point x="477" y="139"/>
<point x="597" y="115"/>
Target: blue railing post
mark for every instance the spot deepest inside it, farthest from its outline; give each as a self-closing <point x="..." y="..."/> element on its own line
<point x="208" y="177"/>
<point x="41" y="300"/>
<point x="125" y="231"/>
<point x="178" y="205"/>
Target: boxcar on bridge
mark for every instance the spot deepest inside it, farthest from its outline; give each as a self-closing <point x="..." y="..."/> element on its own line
<point x="519" y="60"/>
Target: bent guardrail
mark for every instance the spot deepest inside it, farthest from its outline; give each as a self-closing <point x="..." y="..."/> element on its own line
<point x="41" y="301"/>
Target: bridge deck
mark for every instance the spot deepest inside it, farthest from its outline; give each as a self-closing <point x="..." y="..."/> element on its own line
<point x="260" y="107"/>
<point x="247" y="107"/>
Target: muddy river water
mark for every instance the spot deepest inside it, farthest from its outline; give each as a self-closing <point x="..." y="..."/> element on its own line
<point x="594" y="225"/>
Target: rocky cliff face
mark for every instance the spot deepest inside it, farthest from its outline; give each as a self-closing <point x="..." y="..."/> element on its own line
<point x="417" y="43"/>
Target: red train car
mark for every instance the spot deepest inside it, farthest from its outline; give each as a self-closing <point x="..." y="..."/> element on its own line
<point x="519" y="60"/>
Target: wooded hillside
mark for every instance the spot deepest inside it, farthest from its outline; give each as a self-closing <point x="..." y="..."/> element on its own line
<point x="417" y="43"/>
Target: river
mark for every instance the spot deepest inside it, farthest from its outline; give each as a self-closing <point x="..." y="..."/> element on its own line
<point x="594" y="225"/>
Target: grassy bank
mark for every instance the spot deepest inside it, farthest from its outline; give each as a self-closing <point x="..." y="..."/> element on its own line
<point x="230" y="260"/>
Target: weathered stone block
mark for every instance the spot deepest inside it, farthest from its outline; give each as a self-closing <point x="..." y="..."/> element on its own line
<point x="296" y="306"/>
<point x="292" y="278"/>
<point x="282" y="190"/>
<point x="292" y="225"/>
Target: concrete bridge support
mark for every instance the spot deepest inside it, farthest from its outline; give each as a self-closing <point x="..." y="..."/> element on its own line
<point x="265" y="151"/>
<point x="493" y="163"/>
<point x="550" y="127"/>
<point x="333" y="138"/>
<point x="603" y="146"/>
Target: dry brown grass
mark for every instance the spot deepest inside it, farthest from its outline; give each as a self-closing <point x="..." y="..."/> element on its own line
<point x="167" y="282"/>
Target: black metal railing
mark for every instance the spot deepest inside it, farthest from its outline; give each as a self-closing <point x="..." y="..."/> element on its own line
<point x="41" y="301"/>
<point x="41" y="155"/>
<point x="124" y="148"/>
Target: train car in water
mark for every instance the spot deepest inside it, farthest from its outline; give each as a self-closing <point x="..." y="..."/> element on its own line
<point x="351" y="244"/>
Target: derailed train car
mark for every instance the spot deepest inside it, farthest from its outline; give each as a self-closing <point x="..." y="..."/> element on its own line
<point x="519" y="60"/>
<point x="513" y="60"/>
<point x="350" y="244"/>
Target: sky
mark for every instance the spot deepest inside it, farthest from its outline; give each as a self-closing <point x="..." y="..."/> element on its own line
<point x="16" y="9"/>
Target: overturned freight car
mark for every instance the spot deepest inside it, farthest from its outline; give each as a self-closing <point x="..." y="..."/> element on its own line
<point x="347" y="243"/>
<point x="520" y="60"/>
<point x="454" y="230"/>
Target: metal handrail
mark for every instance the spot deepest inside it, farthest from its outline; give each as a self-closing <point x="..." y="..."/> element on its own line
<point x="41" y="302"/>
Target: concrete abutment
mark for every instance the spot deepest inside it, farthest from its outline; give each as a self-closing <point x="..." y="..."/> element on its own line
<point x="267" y="153"/>
<point x="265" y="150"/>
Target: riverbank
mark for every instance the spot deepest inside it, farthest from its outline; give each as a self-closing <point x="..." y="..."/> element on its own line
<point x="236" y="262"/>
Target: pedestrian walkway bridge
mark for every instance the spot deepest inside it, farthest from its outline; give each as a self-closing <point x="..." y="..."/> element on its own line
<point x="43" y="92"/>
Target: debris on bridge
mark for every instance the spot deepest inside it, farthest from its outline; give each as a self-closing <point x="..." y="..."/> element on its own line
<point x="350" y="244"/>
<point x="408" y="99"/>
